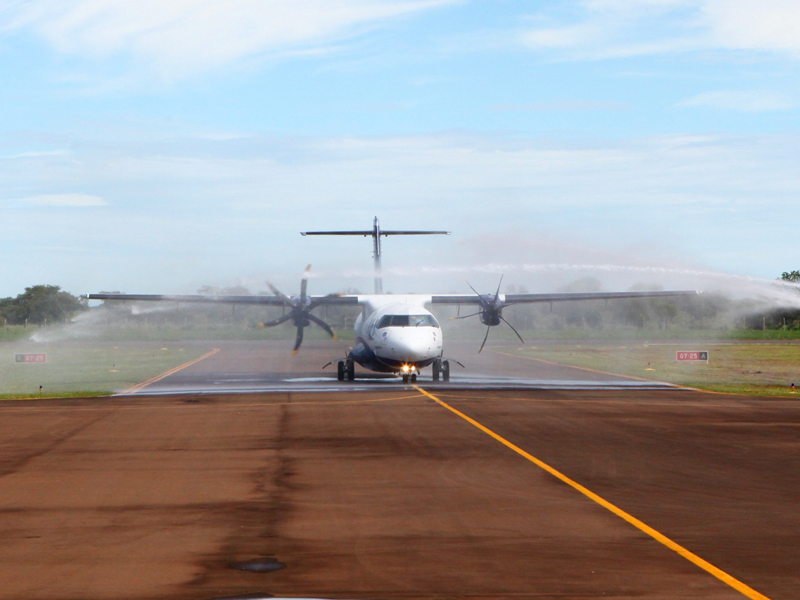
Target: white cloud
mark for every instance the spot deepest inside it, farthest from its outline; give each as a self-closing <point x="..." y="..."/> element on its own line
<point x="180" y="37"/>
<point x="744" y="101"/>
<point x="64" y="200"/>
<point x="562" y="37"/>
<point x="617" y="28"/>
<point x="254" y="175"/>
<point x="564" y="104"/>
<point x="198" y="210"/>
<point x="769" y="25"/>
<point x="32" y="153"/>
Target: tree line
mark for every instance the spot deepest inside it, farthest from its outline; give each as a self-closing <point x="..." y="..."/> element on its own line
<point x="43" y="304"/>
<point x="40" y="305"/>
<point x="709" y="310"/>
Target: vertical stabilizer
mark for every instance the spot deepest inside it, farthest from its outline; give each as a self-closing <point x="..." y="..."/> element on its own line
<point x="376" y="233"/>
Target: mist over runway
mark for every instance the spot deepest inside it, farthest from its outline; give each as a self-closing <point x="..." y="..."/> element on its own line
<point x="255" y="367"/>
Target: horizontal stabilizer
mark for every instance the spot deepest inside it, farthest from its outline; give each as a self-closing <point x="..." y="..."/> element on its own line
<point x="365" y="232"/>
<point x="372" y="232"/>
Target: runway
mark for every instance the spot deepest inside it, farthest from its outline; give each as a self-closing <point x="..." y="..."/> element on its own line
<point x="398" y="493"/>
<point x="258" y="367"/>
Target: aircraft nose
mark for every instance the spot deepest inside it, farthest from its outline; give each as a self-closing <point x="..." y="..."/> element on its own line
<point x="410" y="348"/>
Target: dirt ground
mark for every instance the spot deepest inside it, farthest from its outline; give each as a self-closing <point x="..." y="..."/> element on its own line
<point x="387" y="494"/>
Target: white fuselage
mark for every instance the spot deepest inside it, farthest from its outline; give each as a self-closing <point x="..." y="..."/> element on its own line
<point x="393" y="332"/>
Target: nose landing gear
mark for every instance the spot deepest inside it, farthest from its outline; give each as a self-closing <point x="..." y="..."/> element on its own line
<point x="409" y="377"/>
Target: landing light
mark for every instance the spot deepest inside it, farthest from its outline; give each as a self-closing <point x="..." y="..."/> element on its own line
<point x="406" y="368"/>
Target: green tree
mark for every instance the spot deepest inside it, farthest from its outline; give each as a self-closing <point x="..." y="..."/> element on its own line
<point x="793" y="276"/>
<point x="40" y="304"/>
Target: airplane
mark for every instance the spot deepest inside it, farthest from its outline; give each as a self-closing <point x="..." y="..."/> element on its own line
<point x="394" y="333"/>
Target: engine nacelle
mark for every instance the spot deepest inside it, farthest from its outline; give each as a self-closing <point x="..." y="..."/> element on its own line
<point x="491" y="311"/>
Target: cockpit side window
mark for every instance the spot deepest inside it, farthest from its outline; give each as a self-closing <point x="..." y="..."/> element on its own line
<point x="407" y="321"/>
<point x="432" y="322"/>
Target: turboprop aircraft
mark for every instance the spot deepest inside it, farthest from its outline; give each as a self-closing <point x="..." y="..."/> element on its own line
<point x="393" y="333"/>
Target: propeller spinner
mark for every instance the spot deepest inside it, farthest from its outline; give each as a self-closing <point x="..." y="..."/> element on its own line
<point x="491" y="312"/>
<point x="300" y="311"/>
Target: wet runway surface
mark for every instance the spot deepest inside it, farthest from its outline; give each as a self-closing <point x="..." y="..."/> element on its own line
<point x="248" y="383"/>
<point x="251" y="368"/>
<point x="387" y="493"/>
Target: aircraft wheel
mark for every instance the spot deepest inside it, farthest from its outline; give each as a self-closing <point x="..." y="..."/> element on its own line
<point x="340" y="370"/>
<point x="446" y="370"/>
<point x="413" y="378"/>
<point x="437" y="369"/>
<point x="351" y="370"/>
<point x="405" y="377"/>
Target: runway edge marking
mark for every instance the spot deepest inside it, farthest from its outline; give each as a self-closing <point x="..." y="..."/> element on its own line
<point x="674" y="385"/>
<point x="144" y="384"/>
<point x="658" y="536"/>
<point x="558" y="364"/>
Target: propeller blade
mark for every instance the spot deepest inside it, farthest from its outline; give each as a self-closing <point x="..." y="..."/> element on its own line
<point x="323" y="324"/>
<point x="497" y="293"/>
<point x="304" y="284"/>
<point x="512" y="328"/>
<point x="472" y="288"/>
<point x="298" y="341"/>
<point x="286" y="300"/>
<point x="277" y="321"/>
<point x="484" y="339"/>
<point x="465" y="316"/>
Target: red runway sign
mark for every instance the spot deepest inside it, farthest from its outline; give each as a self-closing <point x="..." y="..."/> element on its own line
<point x="30" y="358"/>
<point x="695" y="355"/>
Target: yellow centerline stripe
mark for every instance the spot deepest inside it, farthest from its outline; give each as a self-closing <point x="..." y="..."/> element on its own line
<point x="144" y="384"/>
<point x="660" y="537"/>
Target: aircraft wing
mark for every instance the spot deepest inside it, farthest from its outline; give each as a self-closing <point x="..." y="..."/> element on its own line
<point x="352" y="300"/>
<point x="509" y="299"/>
<point x="221" y="299"/>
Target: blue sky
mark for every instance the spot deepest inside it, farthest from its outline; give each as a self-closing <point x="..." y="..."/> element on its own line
<point x="159" y="146"/>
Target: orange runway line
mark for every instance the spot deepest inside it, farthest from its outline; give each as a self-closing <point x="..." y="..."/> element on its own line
<point x="643" y="527"/>
<point x="144" y="384"/>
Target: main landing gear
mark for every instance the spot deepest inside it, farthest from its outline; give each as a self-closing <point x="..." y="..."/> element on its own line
<point x="346" y="369"/>
<point x="441" y="369"/>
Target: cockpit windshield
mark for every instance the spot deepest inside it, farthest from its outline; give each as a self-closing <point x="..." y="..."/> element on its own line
<point x="407" y="321"/>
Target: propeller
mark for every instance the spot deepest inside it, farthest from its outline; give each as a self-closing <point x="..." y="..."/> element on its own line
<point x="491" y="312"/>
<point x="300" y="308"/>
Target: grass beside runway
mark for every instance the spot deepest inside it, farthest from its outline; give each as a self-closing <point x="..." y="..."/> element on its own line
<point x="59" y="395"/>
<point x="83" y="370"/>
<point x="766" y="369"/>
